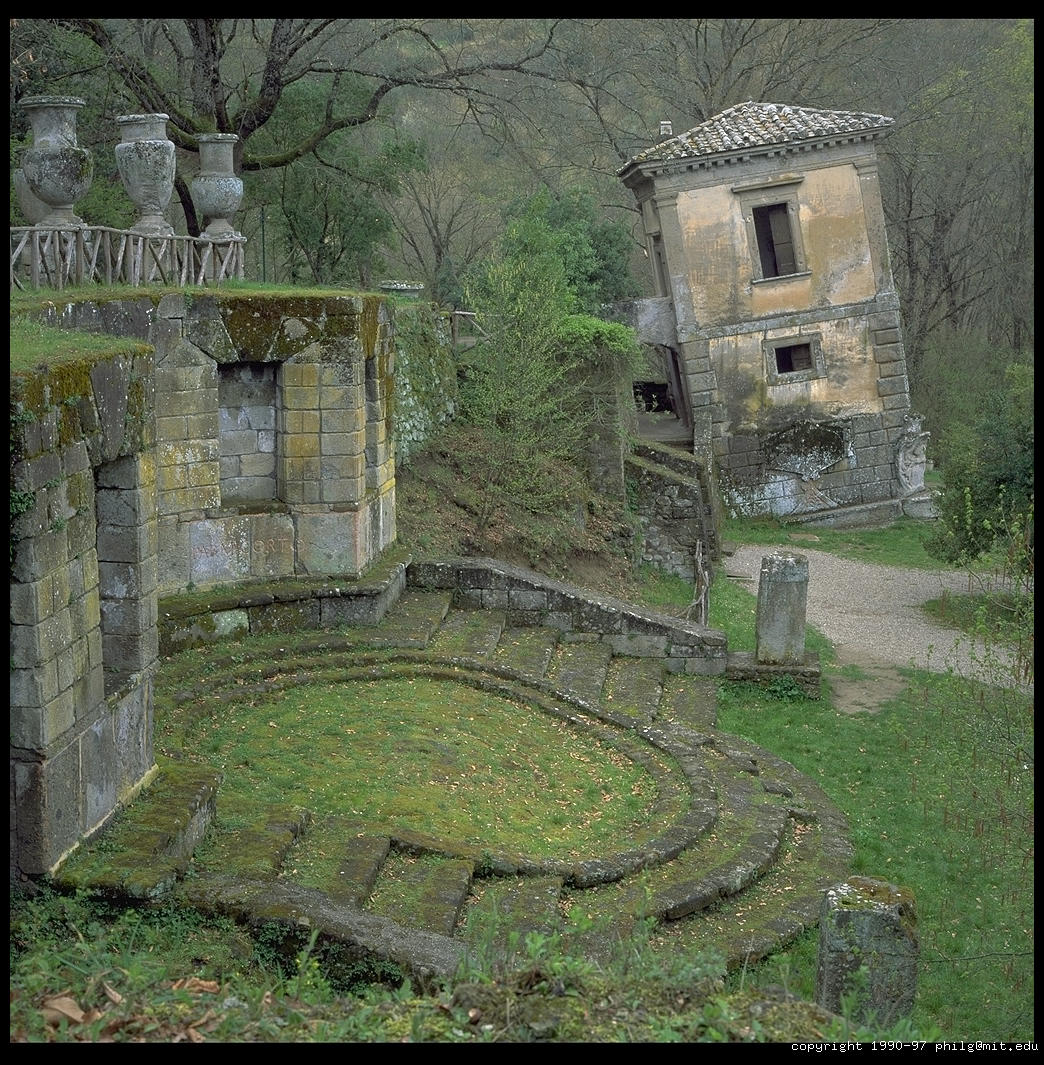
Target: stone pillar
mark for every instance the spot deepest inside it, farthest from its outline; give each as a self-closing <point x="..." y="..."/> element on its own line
<point x="868" y="926"/>
<point x="127" y="568"/>
<point x="780" y="623"/>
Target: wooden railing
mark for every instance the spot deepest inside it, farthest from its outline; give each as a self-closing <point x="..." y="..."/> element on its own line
<point x="465" y="330"/>
<point x="57" y="258"/>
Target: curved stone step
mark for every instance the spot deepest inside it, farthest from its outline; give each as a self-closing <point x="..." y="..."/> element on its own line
<point x="427" y="957"/>
<point x="690" y="701"/>
<point x="364" y="854"/>
<point x="757" y="838"/>
<point x="412" y="621"/>
<point x="634" y="686"/>
<point x="473" y="633"/>
<point x="526" y="651"/>
<point x="579" y="667"/>
<point x="505" y="910"/>
<point x="426" y="892"/>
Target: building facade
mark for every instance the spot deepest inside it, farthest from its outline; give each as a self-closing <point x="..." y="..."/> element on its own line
<point x="777" y="312"/>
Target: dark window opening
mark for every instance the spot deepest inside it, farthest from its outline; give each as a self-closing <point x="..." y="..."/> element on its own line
<point x="653" y="396"/>
<point x="794" y="357"/>
<point x="775" y="240"/>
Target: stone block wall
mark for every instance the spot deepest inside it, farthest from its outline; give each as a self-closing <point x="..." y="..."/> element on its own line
<point x="864" y="474"/>
<point x="529" y="598"/>
<point x="678" y="506"/>
<point x="308" y="383"/>
<point x="761" y="474"/>
<point x="674" y="518"/>
<point x="131" y="477"/>
<point x="246" y="422"/>
<point x="84" y="634"/>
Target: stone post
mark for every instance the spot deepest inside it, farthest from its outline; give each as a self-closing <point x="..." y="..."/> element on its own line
<point x="868" y="924"/>
<point x="780" y="623"/>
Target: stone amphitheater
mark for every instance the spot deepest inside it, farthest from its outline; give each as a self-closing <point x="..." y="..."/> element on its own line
<point x="735" y="856"/>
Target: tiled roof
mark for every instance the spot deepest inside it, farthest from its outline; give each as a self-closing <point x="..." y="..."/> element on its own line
<point x="756" y="125"/>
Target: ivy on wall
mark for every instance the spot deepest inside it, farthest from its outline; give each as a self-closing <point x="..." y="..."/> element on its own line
<point x="425" y="377"/>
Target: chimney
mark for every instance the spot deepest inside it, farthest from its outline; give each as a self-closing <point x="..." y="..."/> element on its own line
<point x="666" y="129"/>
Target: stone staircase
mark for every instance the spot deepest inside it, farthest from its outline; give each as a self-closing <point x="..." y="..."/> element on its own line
<point x="748" y="847"/>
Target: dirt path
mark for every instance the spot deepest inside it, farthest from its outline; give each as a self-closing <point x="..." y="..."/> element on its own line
<point x="872" y="615"/>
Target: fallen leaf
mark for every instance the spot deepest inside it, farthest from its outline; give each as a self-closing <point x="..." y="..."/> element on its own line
<point x="193" y="983"/>
<point x="62" y="1007"/>
<point x="113" y="996"/>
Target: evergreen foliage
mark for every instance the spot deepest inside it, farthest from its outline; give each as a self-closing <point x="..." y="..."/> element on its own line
<point x="987" y="466"/>
<point x="594" y="251"/>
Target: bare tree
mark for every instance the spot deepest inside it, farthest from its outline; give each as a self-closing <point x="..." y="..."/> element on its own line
<point x="230" y="75"/>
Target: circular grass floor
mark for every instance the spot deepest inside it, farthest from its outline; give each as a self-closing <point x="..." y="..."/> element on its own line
<point x="440" y="757"/>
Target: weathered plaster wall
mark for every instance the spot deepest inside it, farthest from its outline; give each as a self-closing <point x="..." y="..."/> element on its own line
<point x="841" y="300"/>
<point x="712" y="243"/>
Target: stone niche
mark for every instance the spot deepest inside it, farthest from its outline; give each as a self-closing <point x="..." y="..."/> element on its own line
<point x="227" y="438"/>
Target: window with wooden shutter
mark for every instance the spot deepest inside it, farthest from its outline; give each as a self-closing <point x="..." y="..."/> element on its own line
<point x="793" y="360"/>
<point x="772" y="217"/>
<point x="775" y="240"/>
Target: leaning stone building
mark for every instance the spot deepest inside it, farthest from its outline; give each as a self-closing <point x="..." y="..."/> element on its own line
<point x="776" y="311"/>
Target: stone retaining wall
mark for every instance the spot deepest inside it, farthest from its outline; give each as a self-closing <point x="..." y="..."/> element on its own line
<point x="676" y="520"/>
<point x="528" y="598"/>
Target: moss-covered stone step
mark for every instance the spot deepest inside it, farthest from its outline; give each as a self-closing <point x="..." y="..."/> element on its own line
<point x="689" y="700"/>
<point x="579" y="668"/>
<point x="412" y="622"/>
<point x="507" y="909"/>
<point x="357" y="873"/>
<point x="423" y="891"/>
<point x="472" y="633"/>
<point x="526" y="651"/>
<point x="773" y="911"/>
<point x="743" y="842"/>
<point x="634" y="686"/>
<point x="259" y="849"/>
<point x="150" y="846"/>
<point x="426" y="957"/>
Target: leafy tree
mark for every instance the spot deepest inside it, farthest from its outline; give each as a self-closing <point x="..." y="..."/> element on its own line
<point x="594" y="252"/>
<point x="526" y="386"/>
<point x="515" y="387"/>
<point x="988" y="476"/>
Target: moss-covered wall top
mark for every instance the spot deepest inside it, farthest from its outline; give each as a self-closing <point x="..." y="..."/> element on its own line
<point x="100" y="401"/>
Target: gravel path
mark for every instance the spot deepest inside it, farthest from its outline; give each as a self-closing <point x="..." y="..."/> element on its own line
<point x="871" y="613"/>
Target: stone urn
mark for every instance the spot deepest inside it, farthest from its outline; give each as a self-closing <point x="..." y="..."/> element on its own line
<point x="145" y="158"/>
<point x="59" y="172"/>
<point x="216" y="191"/>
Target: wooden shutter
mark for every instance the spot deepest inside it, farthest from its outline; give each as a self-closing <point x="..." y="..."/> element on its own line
<point x="782" y="240"/>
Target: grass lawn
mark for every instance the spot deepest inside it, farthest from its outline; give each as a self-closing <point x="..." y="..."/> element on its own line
<point x="937" y="787"/>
